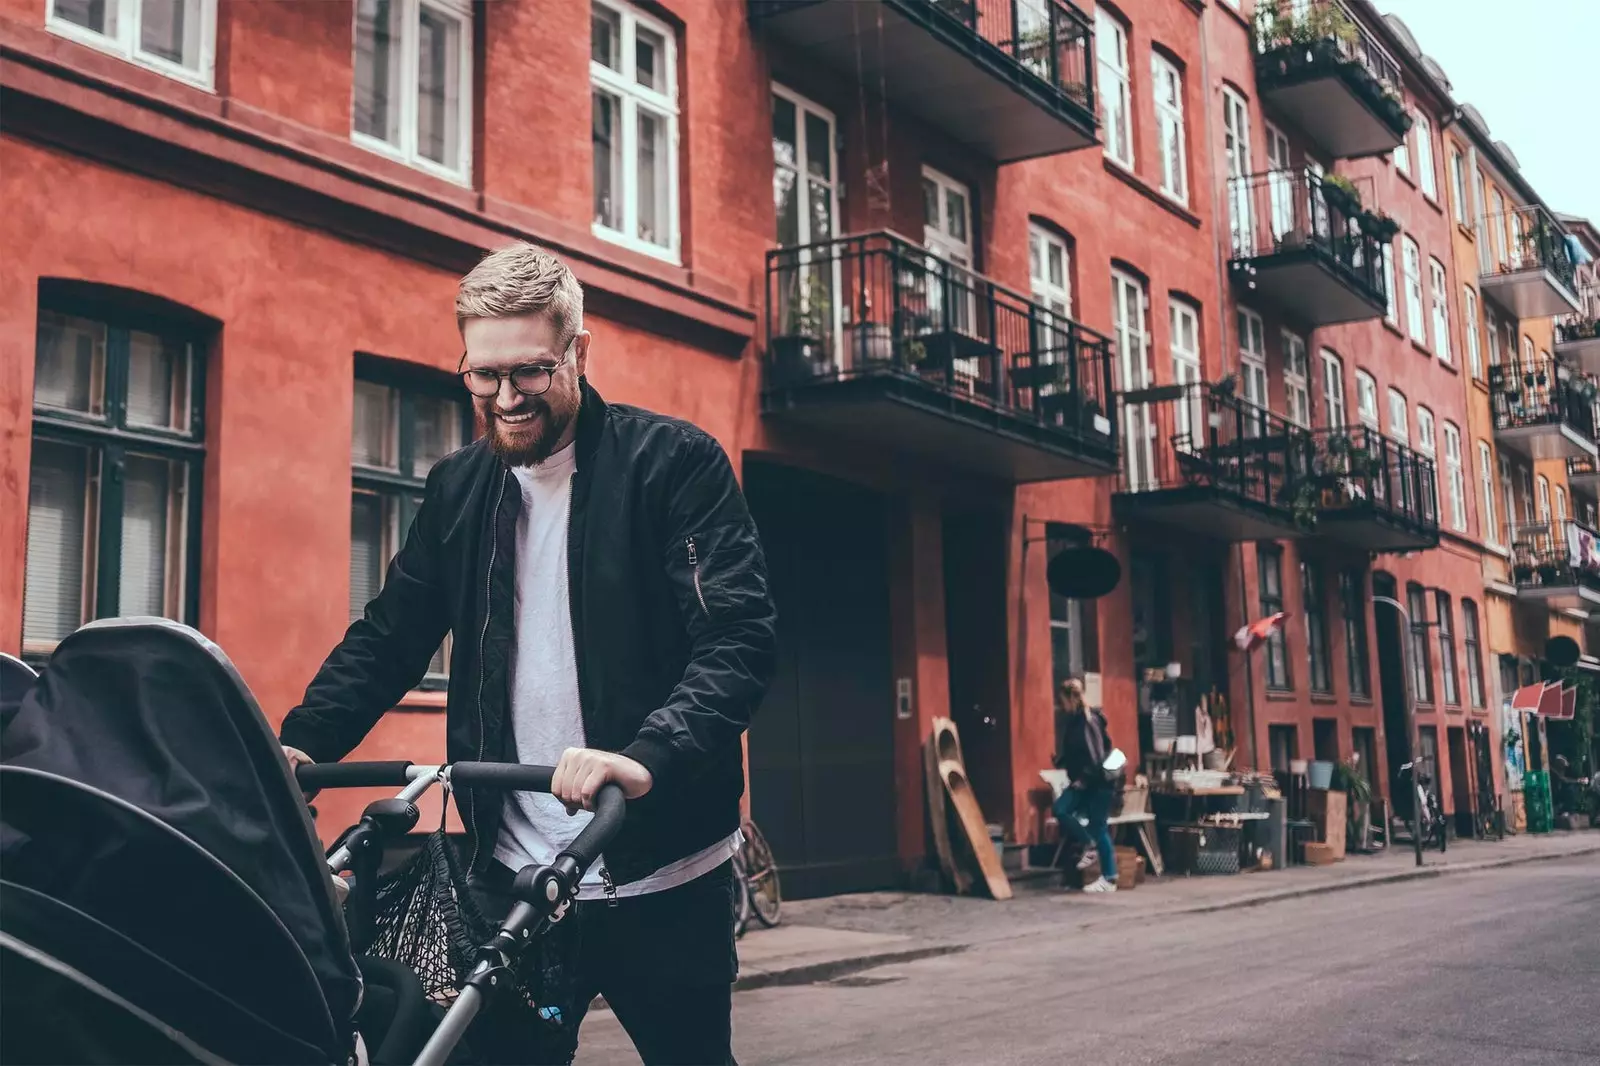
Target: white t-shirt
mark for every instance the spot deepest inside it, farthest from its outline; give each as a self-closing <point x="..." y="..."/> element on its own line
<point x="546" y="717"/>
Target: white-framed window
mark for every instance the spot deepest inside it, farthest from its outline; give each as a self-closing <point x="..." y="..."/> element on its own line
<point x="1497" y="224"/>
<point x="1561" y="504"/>
<point x="1481" y="207"/>
<point x="1296" y="379"/>
<point x="1333" y="389"/>
<point x="1402" y="153"/>
<point x="1469" y="329"/>
<point x="1130" y="320"/>
<point x="1456" y="477"/>
<point x="1367" y="399"/>
<point x="175" y="37"/>
<point x="805" y="171"/>
<point x="1253" y="364"/>
<point x="1168" y="82"/>
<point x="1184" y="320"/>
<point x="1236" y="150"/>
<point x="1441" y="310"/>
<point x="1415" y="319"/>
<point x="1508" y="496"/>
<point x="1399" y="419"/>
<point x="1391" y="311"/>
<point x="1116" y="88"/>
<point x="1280" y="181"/>
<point x="1528" y="511"/>
<point x="1050" y="269"/>
<point x="1491" y="330"/>
<point x="1425" y="172"/>
<point x="1486" y="522"/>
<point x="1544" y="500"/>
<point x="633" y="81"/>
<point x="1428" y="447"/>
<point x="413" y="83"/>
<point x="1527" y="350"/>
<point x="1458" y="185"/>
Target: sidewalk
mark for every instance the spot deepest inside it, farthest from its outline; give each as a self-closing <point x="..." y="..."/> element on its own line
<point x="822" y="939"/>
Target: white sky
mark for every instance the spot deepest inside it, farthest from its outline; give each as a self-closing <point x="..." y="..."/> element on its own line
<point x="1529" y="68"/>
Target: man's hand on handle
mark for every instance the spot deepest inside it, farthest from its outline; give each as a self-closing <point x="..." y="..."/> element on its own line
<point x="297" y="758"/>
<point x="582" y="771"/>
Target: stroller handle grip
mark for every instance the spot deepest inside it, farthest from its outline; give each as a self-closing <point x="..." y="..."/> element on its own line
<point x="506" y="776"/>
<point x="314" y="776"/>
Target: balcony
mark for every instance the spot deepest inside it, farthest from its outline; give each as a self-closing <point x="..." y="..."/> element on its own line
<point x="873" y="339"/>
<point x="1305" y="243"/>
<point x="1319" y="68"/>
<point x="1526" y="266"/>
<point x="1558" y="565"/>
<point x="1010" y="79"/>
<point x="1374" y="493"/>
<point x="1542" y="411"/>
<point x="1578" y="342"/>
<point x="1207" y="463"/>
<point x="1583" y="474"/>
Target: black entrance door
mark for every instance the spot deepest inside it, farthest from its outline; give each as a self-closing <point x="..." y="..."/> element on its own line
<point x="1392" y="682"/>
<point x="822" y="743"/>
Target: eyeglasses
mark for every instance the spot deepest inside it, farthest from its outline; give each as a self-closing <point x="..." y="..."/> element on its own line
<point x="530" y="379"/>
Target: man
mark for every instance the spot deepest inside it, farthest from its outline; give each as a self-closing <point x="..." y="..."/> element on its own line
<point x="608" y="595"/>
<point x="1082" y="744"/>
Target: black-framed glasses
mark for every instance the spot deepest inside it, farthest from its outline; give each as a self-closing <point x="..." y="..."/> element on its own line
<point x="530" y="379"/>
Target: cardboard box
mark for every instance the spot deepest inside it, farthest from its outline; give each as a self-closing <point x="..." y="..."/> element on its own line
<point x="1127" y="868"/>
<point x="1322" y="854"/>
<point x="1327" y="810"/>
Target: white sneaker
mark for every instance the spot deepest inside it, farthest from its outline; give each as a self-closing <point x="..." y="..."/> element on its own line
<point x="1102" y="885"/>
<point x="1088" y="859"/>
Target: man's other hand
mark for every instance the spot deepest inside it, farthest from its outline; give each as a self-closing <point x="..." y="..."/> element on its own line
<point x="582" y="771"/>
<point x="296" y="757"/>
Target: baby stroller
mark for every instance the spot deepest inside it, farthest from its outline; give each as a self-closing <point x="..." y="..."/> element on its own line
<point x="163" y="897"/>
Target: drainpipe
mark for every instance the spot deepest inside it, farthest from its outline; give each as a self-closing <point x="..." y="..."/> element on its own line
<point x="1219" y="209"/>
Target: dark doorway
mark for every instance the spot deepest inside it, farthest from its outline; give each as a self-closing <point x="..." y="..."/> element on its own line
<point x="1325" y="739"/>
<point x="1364" y="747"/>
<point x="975" y="648"/>
<point x="1392" y="686"/>
<point x="822" y="743"/>
<point x="1460" y="782"/>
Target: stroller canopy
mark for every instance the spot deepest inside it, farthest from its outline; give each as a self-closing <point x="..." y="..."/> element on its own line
<point x="156" y="724"/>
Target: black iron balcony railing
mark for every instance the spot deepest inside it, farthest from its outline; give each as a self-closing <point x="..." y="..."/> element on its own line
<point x="1043" y="49"/>
<point x="1583" y="470"/>
<point x="1576" y="329"/>
<point x="1358" y="471"/>
<point x="1303" y="42"/>
<point x="1541" y="393"/>
<point x="1526" y="265"/>
<point x="876" y="304"/>
<point x="1198" y="436"/>
<point x="1562" y="555"/>
<point x="1307" y="241"/>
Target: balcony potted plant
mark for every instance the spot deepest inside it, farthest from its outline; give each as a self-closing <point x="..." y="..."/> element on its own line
<point x="799" y="351"/>
<point x="1341" y="195"/>
<point x="1379" y="226"/>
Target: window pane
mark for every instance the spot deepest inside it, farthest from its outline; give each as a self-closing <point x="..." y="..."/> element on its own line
<point x="956" y="215"/>
<point x="69" y="363"/>
<point x="378" y="68"/>
<point x="650" y="59"/>
<point x="785" y="133"/>
<point x="366" y="549"/>
<point x="605" y="37"/>
<point x="606" y="135"/>
<point x="97" y="15"/>
<point x="171" y="29"/>
<point x="439" y="88"/>
<point x="58" y="540"/>
<point x="150" y="534"/>
<point x="655" y="212"/>
<point x="819" y="147"/>
<point x="373" y="437"/>
<point x="156" y="386"/>
<point x="435" y="432"/>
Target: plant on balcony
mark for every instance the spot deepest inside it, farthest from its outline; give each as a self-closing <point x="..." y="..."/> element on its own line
<point x="1341" y="194"/>
<point x="1379" y="226"/>
<point x="1278" y="26"/>
<point x="1303" y="495"/>
<point x="798" y="350"/>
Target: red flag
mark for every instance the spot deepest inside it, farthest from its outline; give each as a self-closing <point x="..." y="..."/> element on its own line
<point x="1252" y="636"/>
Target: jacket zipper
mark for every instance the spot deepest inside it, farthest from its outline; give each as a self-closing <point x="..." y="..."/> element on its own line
<point x="694" y="563"/>
<point x="483" y="637"/>
<point x="577" y="661"/>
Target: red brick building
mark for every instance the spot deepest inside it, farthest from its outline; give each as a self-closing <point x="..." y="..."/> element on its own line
<point x="901" y="259"/>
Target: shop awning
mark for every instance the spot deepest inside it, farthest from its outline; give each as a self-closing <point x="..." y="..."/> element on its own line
<point x="1548" y="698"/>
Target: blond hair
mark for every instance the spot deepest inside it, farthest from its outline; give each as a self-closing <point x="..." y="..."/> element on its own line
<point x="523" y="279"/>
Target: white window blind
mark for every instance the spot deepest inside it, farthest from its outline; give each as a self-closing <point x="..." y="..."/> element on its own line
<point x="53" y="598"/>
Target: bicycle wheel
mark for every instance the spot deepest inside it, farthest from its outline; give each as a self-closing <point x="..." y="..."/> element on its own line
<point x="761" y="876"/>
<point x="741" y="902"/>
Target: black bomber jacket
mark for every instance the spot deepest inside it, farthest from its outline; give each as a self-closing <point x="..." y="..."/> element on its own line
<point x="673" y="627"/>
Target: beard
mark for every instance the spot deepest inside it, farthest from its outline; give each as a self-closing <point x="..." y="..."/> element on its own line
<point x="521" y="450"/>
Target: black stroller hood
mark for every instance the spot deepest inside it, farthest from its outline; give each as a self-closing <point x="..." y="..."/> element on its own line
<point x="155" y="715"/>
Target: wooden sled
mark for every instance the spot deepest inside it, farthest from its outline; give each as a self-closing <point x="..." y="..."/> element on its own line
<point x="969" y="818"/>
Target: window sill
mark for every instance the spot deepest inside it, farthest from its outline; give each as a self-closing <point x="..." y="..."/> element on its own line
<point x="1394" y="327"/>
<point x="1421" y="347"/>
<point x="1467" y="232"/>
<point x="1483" y="386"/>
<point x="1433" y="202"/>
<point x="1449" y="365"/>
<point x="1238" y="16"/>
<point x="1361" y="701"/>
<point x="1280" y="695"/>
<point x="1138" y="184"/>
<point x="1324" y="697"/>
<point x="1406" y="174"/>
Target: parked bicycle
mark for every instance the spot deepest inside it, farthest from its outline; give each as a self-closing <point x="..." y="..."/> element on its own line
<point x="1427" y="818"/>
<point x="756" y="874"/>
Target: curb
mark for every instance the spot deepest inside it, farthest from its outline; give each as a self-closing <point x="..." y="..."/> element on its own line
<point x="827" y="969"/>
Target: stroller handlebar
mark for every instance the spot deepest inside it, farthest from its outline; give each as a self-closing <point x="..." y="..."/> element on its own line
<point x="315" y="776"/>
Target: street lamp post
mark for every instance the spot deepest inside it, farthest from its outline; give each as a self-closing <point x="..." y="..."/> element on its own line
<point x="1412" y="727"/>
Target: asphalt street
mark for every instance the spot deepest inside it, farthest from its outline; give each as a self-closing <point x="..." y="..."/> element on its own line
<point x="1493" y="967"/>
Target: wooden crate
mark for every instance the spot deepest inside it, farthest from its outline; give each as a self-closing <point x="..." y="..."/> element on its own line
<point x="1327" y="810"/>
<point x="1128" y="865"/>
<point x="1322" y="854"/>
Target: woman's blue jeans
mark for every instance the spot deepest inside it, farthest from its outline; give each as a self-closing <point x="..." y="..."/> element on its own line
<point x="1095" y="805"/>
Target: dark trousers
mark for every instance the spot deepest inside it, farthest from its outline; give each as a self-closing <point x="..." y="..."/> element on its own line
<point x="665" y="963"/>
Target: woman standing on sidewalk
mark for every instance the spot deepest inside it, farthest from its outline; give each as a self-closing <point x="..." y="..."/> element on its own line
<point x="1082" y="744"/>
